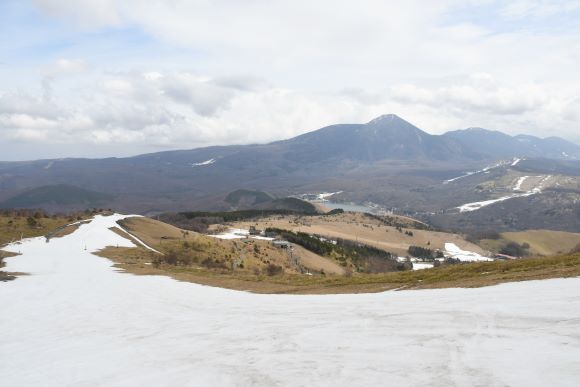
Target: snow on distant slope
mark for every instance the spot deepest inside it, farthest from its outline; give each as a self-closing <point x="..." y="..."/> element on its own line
<point x="479" y="205"/>
<point x="206" y="162"/>
<point x="484" y="170"/>
<point x="519" y="183"/>
<point x="77" y="321"/>
<point x="460" y="177"/>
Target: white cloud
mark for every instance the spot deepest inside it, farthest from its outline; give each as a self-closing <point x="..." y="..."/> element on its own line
<point x="118" y="87"/>
<point x="86" y="13"/>
<point x="225" y="72"/>
<point x="538" y="8"/>
<point x="65" y="66"/>
<point x="480" y="92"/>
<point x="204" y="96"/>
<point x="24" y="103"/>
<point x="176" y="110"/>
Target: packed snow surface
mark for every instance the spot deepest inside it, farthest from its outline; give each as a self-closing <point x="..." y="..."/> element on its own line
<point x="76" y="321"/>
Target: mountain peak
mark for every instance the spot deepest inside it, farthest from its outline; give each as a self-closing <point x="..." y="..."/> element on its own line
<point x="386" y="118"/>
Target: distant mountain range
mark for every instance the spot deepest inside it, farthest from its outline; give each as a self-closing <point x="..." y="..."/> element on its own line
<point x="494" y="144"/>
<point x="389" y="137"/>
<point x="362" y="159"/>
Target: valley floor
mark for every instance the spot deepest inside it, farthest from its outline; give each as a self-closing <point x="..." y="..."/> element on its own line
<point x="75" y="320"/>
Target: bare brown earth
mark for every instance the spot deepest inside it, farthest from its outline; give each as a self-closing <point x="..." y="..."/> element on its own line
<point x="357" y="227"/>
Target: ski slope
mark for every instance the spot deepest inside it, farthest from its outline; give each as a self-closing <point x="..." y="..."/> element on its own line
<point x="484" y="170"/>
<point x="469" y="207"/>
<point x="76" y="321"/>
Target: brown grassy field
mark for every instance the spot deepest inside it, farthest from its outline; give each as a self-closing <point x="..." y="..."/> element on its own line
<point x="140" y="262"/>
<point x="137" y="261"/>
<point x="317" y="263"/>
<point x="255" y="254"/>
<point x="357" y="227"/>
<point x="542" y="242"/>
<point x="155" y="233"/>
<point x="13" y="228"/>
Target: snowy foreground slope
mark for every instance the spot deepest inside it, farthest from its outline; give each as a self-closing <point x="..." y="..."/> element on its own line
<point x="75" y="321"/>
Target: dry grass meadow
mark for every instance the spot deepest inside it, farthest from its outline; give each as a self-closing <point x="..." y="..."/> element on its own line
<point x="139" y="261"/>
<point x="542" y="242"/>
<point x="358" y="227"/>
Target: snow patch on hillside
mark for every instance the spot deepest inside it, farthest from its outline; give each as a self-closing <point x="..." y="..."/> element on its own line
<point x="479" y="205"/>
<point x="206" y="162"/>
<point x="484" y="170"/>
<point x="239" y="233"/>
<point x="422" y="265"/>
<point x="519" y="183"/>
<point x="456" y="252"/>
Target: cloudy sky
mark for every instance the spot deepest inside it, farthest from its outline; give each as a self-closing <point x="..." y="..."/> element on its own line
<point x="121" y="77"/>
